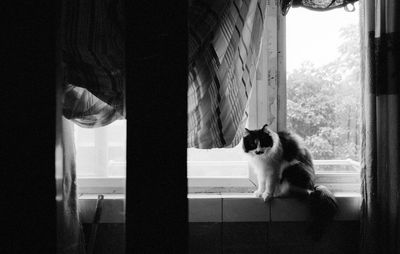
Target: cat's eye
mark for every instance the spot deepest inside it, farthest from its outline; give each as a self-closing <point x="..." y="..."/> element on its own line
<point x="254" y="143"/>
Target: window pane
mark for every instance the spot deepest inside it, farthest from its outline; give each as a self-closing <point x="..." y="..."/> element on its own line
<point x="225" y="162"/>
<point x="323" y="85"/>
<point x="101" y="152"/>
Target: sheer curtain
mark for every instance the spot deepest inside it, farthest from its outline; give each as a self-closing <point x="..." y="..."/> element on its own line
<point x="91" y="93"/>
<point x="380" y="221"/>
<point x="224" y="46"/>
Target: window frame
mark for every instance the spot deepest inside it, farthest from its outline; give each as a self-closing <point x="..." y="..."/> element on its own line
<point x="337" y="182"/>
<point x="270" y="106"/>
<point x="101" y="183"/>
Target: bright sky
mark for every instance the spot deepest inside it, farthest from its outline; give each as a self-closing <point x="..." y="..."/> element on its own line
<point x="313" y="35"/>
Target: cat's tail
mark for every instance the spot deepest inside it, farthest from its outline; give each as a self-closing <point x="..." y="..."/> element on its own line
<point x="323" y="207"/>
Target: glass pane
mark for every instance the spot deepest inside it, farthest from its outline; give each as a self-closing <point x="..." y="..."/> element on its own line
<point x="323" y="85"/>
<point x="225" y="162"/>
<point x="101" y="152"/>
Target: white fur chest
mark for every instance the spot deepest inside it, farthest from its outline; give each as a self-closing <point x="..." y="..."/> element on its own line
<point x="262" y="164"/>
<point x="265" y="164"/>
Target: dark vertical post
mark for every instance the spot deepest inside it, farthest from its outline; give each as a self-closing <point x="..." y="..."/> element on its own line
<point x="156" y="97"/>
<point x="27" y="165"/>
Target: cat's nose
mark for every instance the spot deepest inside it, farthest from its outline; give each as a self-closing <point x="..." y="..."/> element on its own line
<point x="259" y="152"/>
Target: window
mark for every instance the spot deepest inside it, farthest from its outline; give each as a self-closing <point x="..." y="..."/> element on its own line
<point x="322" y="105"/>
<point x="323" y="90"/>
<point x="101" y="158"/>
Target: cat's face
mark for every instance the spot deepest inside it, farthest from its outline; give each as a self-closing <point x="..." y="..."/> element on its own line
<point x="257" y="142"/>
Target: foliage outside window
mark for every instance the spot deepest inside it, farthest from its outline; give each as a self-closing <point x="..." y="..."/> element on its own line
<point x="323" y="101"/>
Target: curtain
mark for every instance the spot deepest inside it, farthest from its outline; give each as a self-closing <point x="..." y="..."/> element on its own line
<point x="91" y="93"/>
<point x="93" y="54"/>
<point x="315" y="5"/>
<point x="86" y="110"/>
<point x="224" y="45"/>
<point x="69" y="230"/>
<point x="380" y="211"/>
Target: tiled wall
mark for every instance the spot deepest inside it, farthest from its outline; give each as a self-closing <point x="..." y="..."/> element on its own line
<point x="274" y="238"/>
<point x="245" y="237"/>
<point x="110" y="238"/>
<point x="238" y="224"/>
<point x="246" y="208"/>
<point x="242" y="224"/>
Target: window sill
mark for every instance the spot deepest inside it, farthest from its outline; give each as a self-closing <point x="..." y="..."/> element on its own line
<point x="244" y="207"/>
<point x="336" y="182"/>
<point x="103" y="185"/>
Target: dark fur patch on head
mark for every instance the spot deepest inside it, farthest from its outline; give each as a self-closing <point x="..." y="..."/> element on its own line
<point x="249" y="141"/>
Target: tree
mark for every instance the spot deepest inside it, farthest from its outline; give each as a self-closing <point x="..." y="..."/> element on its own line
<point x="324" y="102"/>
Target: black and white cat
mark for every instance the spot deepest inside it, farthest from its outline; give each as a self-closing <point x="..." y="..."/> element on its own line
<point x="284" y="168"/>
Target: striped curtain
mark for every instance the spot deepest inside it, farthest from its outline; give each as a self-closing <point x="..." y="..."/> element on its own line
<point x="91" y="93"/>
<point x="94" y="64"/>
<point x="380" y="221"/>
<point x="224" y="46"/>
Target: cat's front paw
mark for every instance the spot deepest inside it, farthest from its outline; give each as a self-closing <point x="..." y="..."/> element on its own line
<point x="267" y="196"/>
<point x="257" y="193"/>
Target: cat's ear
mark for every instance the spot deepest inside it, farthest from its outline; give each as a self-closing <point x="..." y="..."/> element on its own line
<point x="265" y="128"/>
<point x="246" y="131"/>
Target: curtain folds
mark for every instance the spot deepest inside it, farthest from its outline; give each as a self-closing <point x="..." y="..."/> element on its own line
<point x="315" y="5"/>
<point x="224" y="45"/>
<point x="86" y="110"/>
<point x="93" y="53"/>
<point x="70" y="238"/>
<point x="90" y="93"/>
<point x="380" y="220"/>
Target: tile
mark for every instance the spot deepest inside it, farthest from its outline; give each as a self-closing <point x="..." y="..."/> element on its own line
<point x="244" y="209"/>
<point x="244" y="237"/>
<point x="87" y="209"/>
<point x="205" y="238"/>
<point x="291" y="249"/>
<point x="289" y="209"/>
<point x="349" y="207"/>
<point x="110" y="237"/>
<point x="113" y="210"/>
<point x="340" y="237"/>
<point x="292" y="233"/>
<point x="205" y="209"/>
